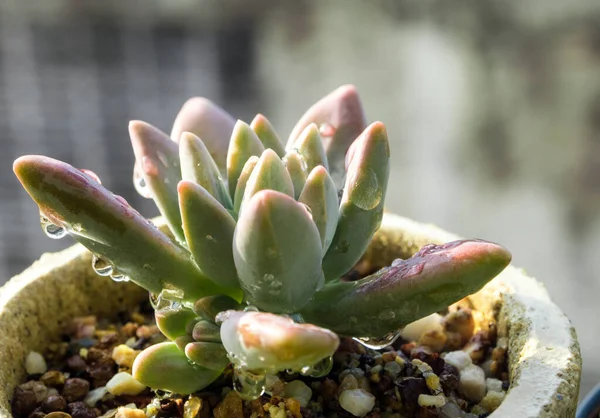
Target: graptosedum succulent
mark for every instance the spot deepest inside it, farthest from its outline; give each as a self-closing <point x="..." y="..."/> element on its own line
<point x="262" y="235"/>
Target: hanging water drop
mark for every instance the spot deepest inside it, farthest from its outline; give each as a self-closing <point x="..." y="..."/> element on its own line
<point x="118" y="277"/>
<point x="140" y="184"/>
<point x="377" y="343"/>
<point x="327" y="130"/>
<point x="251" y="308"/>
<point x="250" y="385"/>
<point x="51" y="230"/>
<point x="101" y="266"/>
<point x="397" y="262"/>
<point x="320" y="369"/>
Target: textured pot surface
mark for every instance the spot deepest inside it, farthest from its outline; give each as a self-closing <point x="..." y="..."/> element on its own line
<point x="544" y="357"/>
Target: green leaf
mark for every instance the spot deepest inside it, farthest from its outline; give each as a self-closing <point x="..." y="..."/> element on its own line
<point x="267" y="135"/>
<point x="296" y="167"/>
<point x="206" y="331"/>
<point x="340" y="119"/>
<point x="110" y="228"/>
<point x="208" y="122"/>
<point x="208" y="307"/>
<point x="173" y="323"/>
<point x="243" y="181"/>
<point x="277" y="252"/>
<point x="206" y="354"/>
<point x="386" y="301"/>
<point x="158" y="159"/>
<point x="320" y="195"/>
<point x="268" y="174"/>
<point x="243" y="145"/>
<point x="163" y="366"/>
<point x="361" y="208"/>
<point x="208" y="229"/>
<point x="198" y="167"/>
<point x="310" y="146"/>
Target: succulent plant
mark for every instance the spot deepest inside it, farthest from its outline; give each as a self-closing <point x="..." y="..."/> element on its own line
<point x="262" y="236"/>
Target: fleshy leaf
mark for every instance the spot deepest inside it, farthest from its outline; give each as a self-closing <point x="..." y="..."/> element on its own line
<point x="267" y="135"/>
<point x="264" y="341"/>
<point x="208" y="122"/>
<point x="206" y="331"/>
<point x="268" y="174"/>
<point x="208" y="307"/>
<point x="164" y="366"/>
<point x="320" y="195"/>
<point x="198" y="167"/>
<point x="111" y="229"/>
<point x="243" y="145"/>
<point x="206" y="354"/>
<point x="296" y="167"/>
<point x="341" y="119"/>
<point x="432" y="279"/>
<point x="361" y="207"/>
<point x="274" y="274"/>
<point x="158" y="158"/>
<point x="173" y="323"/>
<point x="208" y="229"/>
<point x="243" y="181"/>
<point x="310" y="146"/>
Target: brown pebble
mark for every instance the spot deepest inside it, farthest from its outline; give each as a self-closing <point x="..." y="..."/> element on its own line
<point x="230" y="407"/>
<point x="54" y="403"/>
<point x="146" y="331"/>
<point x="101" y="373"/>
<point x="449" y="378"/>
<point x="462" y="322"/>
<point x="329" y="389"/>
<point x="293" y="407"/>
<point x="38" y="413"/>
<point x="255" y="409"/>
<point x="23" y="402"/>
<point x="453" y="341"/>
<point x="410" y="388"/>
<point x="128" y="330"/>
<point x="58" y="415"/>
<point x="81" y="410"/>
<point x="76" y="364"/>
<point x="433" y="359"/>
<point x="389" y="356"/>
<point x="53" y="378"/>
<point x="477" y="346"/>
<point x="108" y="340"/>
<point x="75" y="389"/>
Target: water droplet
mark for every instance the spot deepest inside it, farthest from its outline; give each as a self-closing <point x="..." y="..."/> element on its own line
<point x="251" y="308"/>
<point x="166" y="299"/>
<point x="118" y="277"/>
<point x="268" y="278"/>
<point x="162" y="158"/>
<point x="365" y="192"/>
<point x="343" y="247"/>
<point x="101" y="266"/>
<point x="250" y="385"/>
<point x="378" y="343"/>
<point x="51" y="230"/>
<point x="140" y="184"/>
<point x="167" y="181"/>
<point x="397" y="262"/>
<point x="320" y="369"/>
<point x="353" y="319"/>
<point x="210" y="238"/>
<point x="327" y="130"/>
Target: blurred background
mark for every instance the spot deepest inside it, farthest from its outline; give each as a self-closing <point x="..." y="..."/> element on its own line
<point x="492" y="107"/>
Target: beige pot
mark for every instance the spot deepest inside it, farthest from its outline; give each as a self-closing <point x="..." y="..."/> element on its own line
<point x="544" y="357"/>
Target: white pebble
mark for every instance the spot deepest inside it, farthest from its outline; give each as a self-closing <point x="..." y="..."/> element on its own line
<point x="414" y="330"/>
<point x="124" y="384"/>
<point x="35" y="363"/>
<point x="356" y="401"/>
<point x="125" y="412"/>
<point x="472" y="383"/>
<point x="492" y="400"/>
<point x="95" y="395"/>
<point x="298" y="390"/>
<point x="458" y="359"/>
<point x="432" y="400"/>
<point x="493" y="384"/>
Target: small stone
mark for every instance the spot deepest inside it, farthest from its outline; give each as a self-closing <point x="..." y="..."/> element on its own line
<point x="432" y="381"/>
<point x="461" y="322"/>
<point x="293" y="406"/>
<point x="53" y="378"/>
<point x="101" y="372"/>
<point x="492" y="400"/>
<point x="477" y="346"/>
<point x="192" y="407"/>
<point x="230" y="407"/>
<point x="393" y="368"/>
<point x="58" y="415"/>
<point x="23" y="402"/>
<point x="35" y="363"/>
<point x="356" y="401"/>
<point x="449" y="378"/>
<point x="124" y="355"/>
<point x="124" y="384"/>
<point x="147" y="331"/>
<point x="493" y="384"/>
<point x="76" y="364"/>
<point x="349" y="382"/>
<point x="54" y="403"/>
<point x="123" y="412"/>
<point x="432" y="400"/>
<point x="75" y="389"/>
<point x="37" y="413"/>
<point x="95" y="395"/>
<point x="414" y="330"/>
<point x="38" y="388"/>
<point x="80" y="410"/>
<point x="410" y="388"/>
<point x="298" y="390"/>
<point x="434" y="339"/>
<point x="458" y="359"/>
<point x="472" y="383"/>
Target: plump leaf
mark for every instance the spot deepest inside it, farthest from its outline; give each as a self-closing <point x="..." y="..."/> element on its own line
<point x="158" y="158"/>
<point x="243" y="181"/>
<point x="310" y="146"/>
<point x="198" y="167"/>
<point x="208" y="307"/>
<point x="341" y="119"/>
<point x="320" y="195"/>
<point x="111" y="229"/>
<point x="264" y="341"/>
<point x="243" y="145"/>
<point x="432" y="279"/>
<point x="268" y="174"/>
<point x="361" y="208"/>
<point x="173" y="323"/>
<point x="208" y="122"/>
<point x="296" y="167"/>
<point x="277" y="252"/>
<point x="206" y="354"/>
<point x="267" y="135"/>
<point x="163" y="366"/>
<point x="208" y="229"/>
<point x="206" y="331"/>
